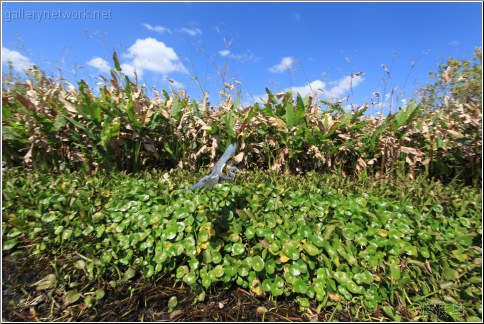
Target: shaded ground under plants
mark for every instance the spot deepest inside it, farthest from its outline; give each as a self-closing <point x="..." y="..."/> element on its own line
<point x="138" y="300"/>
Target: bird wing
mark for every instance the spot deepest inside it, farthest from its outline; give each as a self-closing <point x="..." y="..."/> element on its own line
<point x="203" y="182"/>
<point x="219" y="166"/>
<point x="213" y="178"/>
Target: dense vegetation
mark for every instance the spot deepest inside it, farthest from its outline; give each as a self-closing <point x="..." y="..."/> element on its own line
<point x="49" y="124"/>
<point x="347" y="216"/>
<point x="318" y="239"/>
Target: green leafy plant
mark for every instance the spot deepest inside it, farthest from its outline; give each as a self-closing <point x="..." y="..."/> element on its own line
<point x="315" y="239"/>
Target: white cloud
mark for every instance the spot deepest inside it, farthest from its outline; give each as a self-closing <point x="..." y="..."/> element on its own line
<point x="175" y="84"/>
<point x="315" y="87"/>
<point x="297" y="16"/>
<point x="100" y="64"/>
<point x="224" y="52"/>
<point x="144" y="55"/>
<point x="158" y="29"/>
<point x="152" y="55"/>
<point x="19" y="62"/>
<point x="312" y="87"/>
<point x="128" y="69"/>
<point x="455" y="42"/>
<point x="191" y="31"/>
<point x="103" y="66"/>
<point x="332" y="90"/>
<point x="342" y="86"/>
<point x="287" y="63"/>
<point x="248" y="56"/>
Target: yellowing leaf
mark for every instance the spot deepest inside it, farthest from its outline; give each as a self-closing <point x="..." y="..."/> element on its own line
<point x="336" y="261"/>
<point x="211" y="231"/>
<point x="383" y="232"/>
<point x="446" y="74"/>
<point x="71" y="297"/>
<point x="257" y="290"/>
<point x="47" y="282"/>
<point x="455" y="133"/>
<point x="283" y="258"/>
<point x="334" y="297"/>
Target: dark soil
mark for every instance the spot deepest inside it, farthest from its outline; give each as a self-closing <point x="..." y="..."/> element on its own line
<point x="136" y="300"/>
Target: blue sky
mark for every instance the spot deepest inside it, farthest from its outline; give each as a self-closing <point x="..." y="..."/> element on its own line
<point x="319" y="47"/>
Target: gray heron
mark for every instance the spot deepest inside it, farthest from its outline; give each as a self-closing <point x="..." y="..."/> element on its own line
<point x="216" y="176"/>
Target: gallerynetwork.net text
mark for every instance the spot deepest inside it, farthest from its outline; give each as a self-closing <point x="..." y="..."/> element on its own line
<point x="39" y="15"/>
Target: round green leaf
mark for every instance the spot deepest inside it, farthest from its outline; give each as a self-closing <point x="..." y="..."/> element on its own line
<point x="100" y="294"/>
<point x="218" y="271"/>
<point x="348" y="233"/>
<point x="341" y="277"/>
<point x="238" y="249"/>
<point x="243" y="270"/>
<point x="311" y="249"/>
<point x="450" y="274"/>
<point x="172" y="302"/>
<point x="424" y="251"/>
<point x="257" y="263"/>
<point x="47" y="282"/>
<point x="71" y="297"/>
<point x="318" y="239"/>
<point x="89" y="301"/>
<point x="148" y="271"/>
<point x="270" y="266"/>
<point x="354" y="288"/>
<point x="190" y="278"/>
<point x="250" y="232"/>
<point x="130" y="273"/>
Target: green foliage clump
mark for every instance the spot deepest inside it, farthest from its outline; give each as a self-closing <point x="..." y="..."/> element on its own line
<point x="49" y="124"/>
<point x="321" y="240"/>
<point x="457" y="79"/>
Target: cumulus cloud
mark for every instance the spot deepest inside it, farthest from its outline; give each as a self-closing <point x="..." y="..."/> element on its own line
<point x="99" y="63"/>
<point x="332" y="90"/>
<point x="145" y="55"/>
<point x="191" y="31"/>
<point x="224" y="52"/>
<point x="287" y="63"/>
<point x="18" y="61"/>
<point x="158" y="29"/>
<point x="152" y="55"/>
<point x="312" y="87"/>
<point x="128" y="69"/>
<point x="343" y="86"/>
